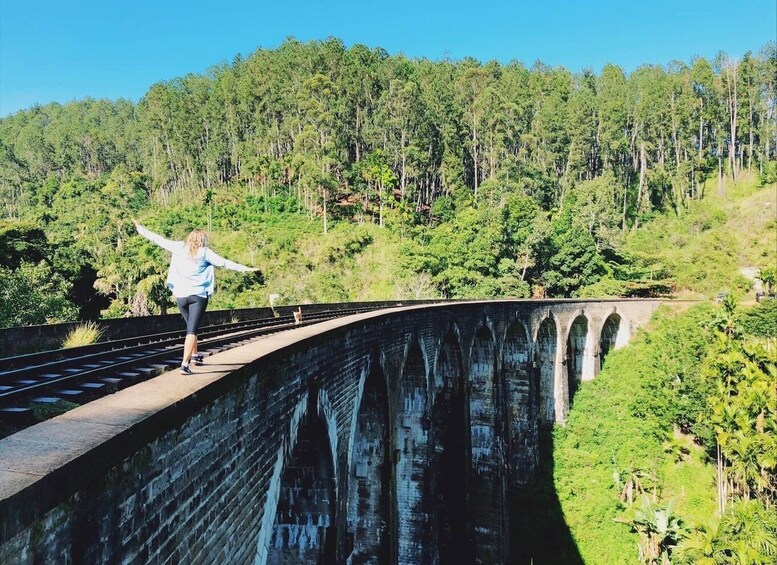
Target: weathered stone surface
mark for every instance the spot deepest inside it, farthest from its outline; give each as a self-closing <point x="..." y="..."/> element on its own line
<point x="391" y="436"/>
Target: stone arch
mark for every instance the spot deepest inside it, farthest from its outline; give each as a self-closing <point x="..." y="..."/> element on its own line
<point x="411" y="469"/>
<point x="487" y="445"/>
<point x="520" y="405"/>
<point x="369" y="474"/>
<point x="263" y="544"/>
<point x="449" y="454"/>
<point x="546" y="353"/>
<point x="579" y="356"/>
<point x="614" y="335"/>
<point x="326" y="413"/>
<point x="305" y="519"/>
<point x="448" y="355"/>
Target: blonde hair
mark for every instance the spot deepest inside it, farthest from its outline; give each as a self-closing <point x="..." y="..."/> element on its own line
<point x="195" y="241"/>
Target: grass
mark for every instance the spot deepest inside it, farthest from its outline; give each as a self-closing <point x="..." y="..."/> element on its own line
<point x="83" y="334"/>
<point x="690" y="483"/>
<point x="43" y="412"/>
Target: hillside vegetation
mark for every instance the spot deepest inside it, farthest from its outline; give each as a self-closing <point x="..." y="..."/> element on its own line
<point x="670" y="454"/>
<point x="704" y="249"/>
<point x="349" y="174"/>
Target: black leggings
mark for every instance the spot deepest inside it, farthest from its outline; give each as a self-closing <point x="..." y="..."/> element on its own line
<point x="192" y="308"/>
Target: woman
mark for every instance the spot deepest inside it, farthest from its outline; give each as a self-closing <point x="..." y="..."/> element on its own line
<point x="191" y="279"/>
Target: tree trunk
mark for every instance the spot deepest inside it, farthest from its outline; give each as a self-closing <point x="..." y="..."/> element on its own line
<point x="642" y="188"/>
<point x="721" y="483"/>
<point x="625" y="200"/>
<point x="357" y="136"/>
<point x="733" y="107"/>
<point x="380" y="207"/>
<point x="402" y="182"/>
<point x="475" y="151"/>
<point x="750" y="151"/>
<point x="675" y="140"/>
<point x="324" y="192"/>
<point x="701" y="128"/>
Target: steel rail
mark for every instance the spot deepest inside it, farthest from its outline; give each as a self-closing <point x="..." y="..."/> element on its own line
<point x="128" y="360"/>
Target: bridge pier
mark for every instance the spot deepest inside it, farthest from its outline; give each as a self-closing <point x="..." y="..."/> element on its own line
<point x="450" y="455"/>
<point x="370" y="477"/>
<point x="305" y="525"/>
<point x="521" y="405"/>
<point x="415" y="519"/>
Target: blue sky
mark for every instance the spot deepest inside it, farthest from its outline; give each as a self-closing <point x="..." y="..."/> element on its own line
<point x="60" y="51"/>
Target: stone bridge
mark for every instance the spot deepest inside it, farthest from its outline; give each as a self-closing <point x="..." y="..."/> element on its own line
<point x="392" y="436"/>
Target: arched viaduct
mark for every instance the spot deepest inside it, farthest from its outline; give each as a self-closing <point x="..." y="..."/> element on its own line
<point x="392" y="436"/>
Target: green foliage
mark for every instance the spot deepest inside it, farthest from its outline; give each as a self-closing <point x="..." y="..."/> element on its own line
<point x="611" y="451"/>
<point x="659" y="530"/>
<point x="747" y="534"/>
<point x="742" y="409"/>
<point x="472" y="256"/>
<point x="760" y="320"/>
<point x="33" y="294"/>
<point x="769" y="276"/>
<point x="768" y="174"/>
<point x="703" y="249"/>
<point x="570" y="258"/>
<point x="497" y="178"/>
<point x="690" y="390"/>
<point x="21" y="242"/>
<point x="593" y="207"/>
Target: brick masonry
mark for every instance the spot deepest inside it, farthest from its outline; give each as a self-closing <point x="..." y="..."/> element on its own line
<point x="391" y="436"/>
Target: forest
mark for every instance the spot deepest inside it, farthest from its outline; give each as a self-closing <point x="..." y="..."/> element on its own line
<point x="428" y="178"/>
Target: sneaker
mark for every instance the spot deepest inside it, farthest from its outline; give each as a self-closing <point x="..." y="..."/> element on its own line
<point x="198" y="359"/>
<point x="185" y="370"/>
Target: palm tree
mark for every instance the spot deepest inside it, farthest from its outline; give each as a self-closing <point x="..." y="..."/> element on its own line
<point x="751" y="534"/>
<point x="702" y="546"/>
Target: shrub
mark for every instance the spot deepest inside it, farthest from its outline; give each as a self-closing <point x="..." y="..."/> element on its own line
<point x="761" y="320"/>
<point x="83" y="334"/>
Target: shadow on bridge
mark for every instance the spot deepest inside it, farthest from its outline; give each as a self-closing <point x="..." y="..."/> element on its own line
<point x="538" y="532"/>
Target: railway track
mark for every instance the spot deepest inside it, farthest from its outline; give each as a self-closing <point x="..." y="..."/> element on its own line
<point x="37" y="386"/>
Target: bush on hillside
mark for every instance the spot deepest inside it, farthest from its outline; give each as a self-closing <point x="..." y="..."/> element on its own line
<point x="761" y="320"/>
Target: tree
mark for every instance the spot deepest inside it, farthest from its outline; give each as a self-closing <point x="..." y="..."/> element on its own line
<point x="33" y="294"/>
<point x="568" y="258"/>
<point x="380" y="181"/>
<point x="768" y="275"/>
<point x="743" y="412"/>
<point x="659" y="529"/>
<point x="21" y="242"/>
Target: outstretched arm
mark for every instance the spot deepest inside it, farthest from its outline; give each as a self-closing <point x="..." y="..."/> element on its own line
<point x="217" y="260"/>
<point x="168" y="244"/>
